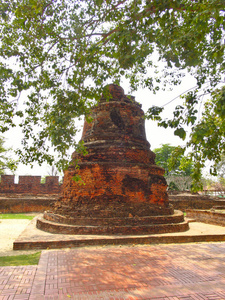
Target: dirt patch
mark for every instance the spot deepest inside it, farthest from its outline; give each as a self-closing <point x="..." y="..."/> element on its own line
<point x="9" y="232"/>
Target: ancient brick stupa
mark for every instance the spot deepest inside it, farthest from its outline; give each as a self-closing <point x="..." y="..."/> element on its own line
<point x="122" y="190"/>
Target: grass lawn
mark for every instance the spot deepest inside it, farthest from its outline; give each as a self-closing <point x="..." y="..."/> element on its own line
<point x="20" y="260"/>
<point x="16" y="216"/>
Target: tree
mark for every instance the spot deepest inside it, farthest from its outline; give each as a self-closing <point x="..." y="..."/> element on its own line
<point x="6" y="163"/>
<point x="165" y="158"/>
<point x="178" y="167"/>
<point x="56" y="56"/>
<point x="219" y="184"/>
<point x="162" y="156"/>
<point x="52" y="171"/>
<point x="220" y="167"/>
<point x="207" y="139"/>
<point x="216" y="187"/>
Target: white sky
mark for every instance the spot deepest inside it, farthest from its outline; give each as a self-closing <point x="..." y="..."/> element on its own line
<point x="155" y="135"/>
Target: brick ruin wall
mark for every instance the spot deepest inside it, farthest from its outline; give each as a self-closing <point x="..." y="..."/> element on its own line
<point x="185" y="201"/>
<point x="208" y="217"/>
<point x="30" y="185"/>
<point x="30" y="195"/>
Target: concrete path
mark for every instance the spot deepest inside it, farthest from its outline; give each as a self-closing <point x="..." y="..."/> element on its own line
<point x="154" y="272"/>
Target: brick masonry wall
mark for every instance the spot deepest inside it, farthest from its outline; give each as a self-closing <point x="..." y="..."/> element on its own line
<point x="26" y="204"/>
<point x="209" y="217"/>
<point x="184" y="202"/>
<point x="30" y="185"/>
<point x="22" y="203"/>
<point x="30" y="195"/>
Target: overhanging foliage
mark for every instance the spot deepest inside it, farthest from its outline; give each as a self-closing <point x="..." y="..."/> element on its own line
<point x="56" y="56"/>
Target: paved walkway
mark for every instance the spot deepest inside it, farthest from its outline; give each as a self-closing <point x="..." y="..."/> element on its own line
<point x="159" y="272"/>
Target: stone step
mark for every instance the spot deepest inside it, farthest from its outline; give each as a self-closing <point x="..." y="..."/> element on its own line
<point x="177" y="217"/>
<point x="54" y="227"/>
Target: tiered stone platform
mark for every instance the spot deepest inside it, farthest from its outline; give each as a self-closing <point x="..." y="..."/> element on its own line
<point x="122" y="191"/>
<point x="149" y="225"/>
<point x="33" y="238"/>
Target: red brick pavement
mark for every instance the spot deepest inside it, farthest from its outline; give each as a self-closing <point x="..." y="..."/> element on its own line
<point x="154" y="272"/>
<point x="16" y="282"/>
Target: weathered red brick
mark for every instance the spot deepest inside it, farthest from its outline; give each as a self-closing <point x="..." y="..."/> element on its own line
<point x="30" y="185"/>
<point x="119" y="177"/>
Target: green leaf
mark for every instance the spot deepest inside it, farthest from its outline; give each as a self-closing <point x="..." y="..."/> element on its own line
<point x="181" y="133"/>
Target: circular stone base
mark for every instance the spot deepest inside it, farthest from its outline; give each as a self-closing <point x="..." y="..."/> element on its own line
<point x="55" y="223"/>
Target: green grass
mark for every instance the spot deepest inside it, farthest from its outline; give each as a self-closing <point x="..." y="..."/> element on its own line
<point x="16" y="216"/>
<point x="20" y="260"/>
